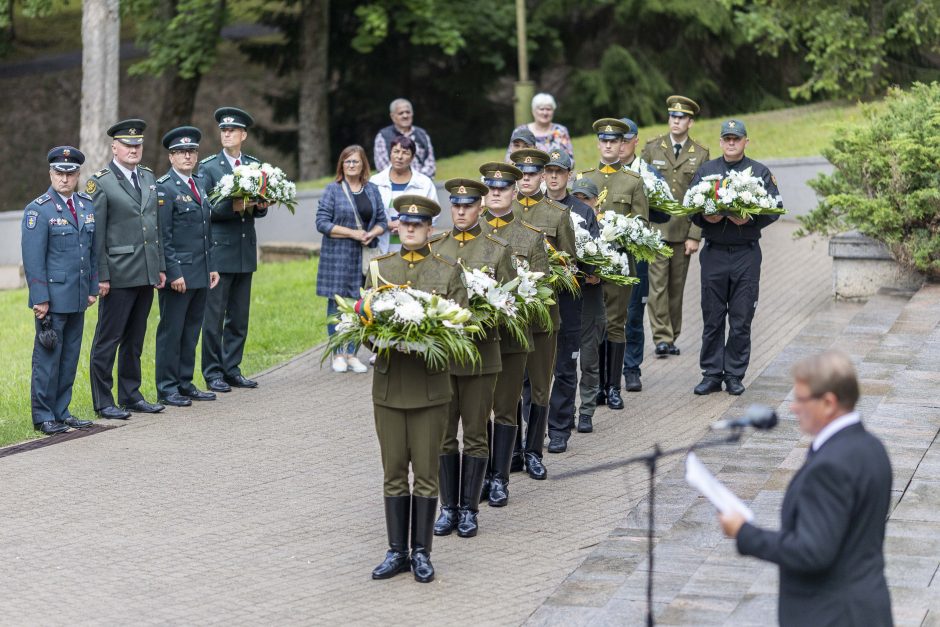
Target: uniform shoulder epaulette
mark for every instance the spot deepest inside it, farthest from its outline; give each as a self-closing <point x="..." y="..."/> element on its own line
<point x="164" y="178"/>
<point x="251" y="158"/>
<point x="699" y="144"/>
<point x="551" y="202"/>
<point x="496" y="238"/>
<point x="656" y="139"/>
<point x="438" y="237"/>
<point x="445" y="259"/>
<point x="43" y="199"/>
<point x="84" y="195"/>
<point x="143" y="167"/>
<point x="529" y="226"/>
<point x="583" y="172"/>
<point x="209" y="158"/>
<point x="631" y="172"/>
<point x="102" y="172"/>
<point x="386" y="255"/>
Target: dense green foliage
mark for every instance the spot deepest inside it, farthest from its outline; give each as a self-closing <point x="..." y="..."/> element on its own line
<point x="887" y="178"/>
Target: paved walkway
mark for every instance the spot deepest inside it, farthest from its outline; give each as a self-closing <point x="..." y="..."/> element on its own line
<point x="265" y="506"/>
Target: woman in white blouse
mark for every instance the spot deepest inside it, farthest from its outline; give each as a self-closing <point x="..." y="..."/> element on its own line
<point x="397" y="179"/>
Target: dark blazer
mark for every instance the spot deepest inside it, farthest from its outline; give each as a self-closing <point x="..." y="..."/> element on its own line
<point x="187" y="230"/>
<point x="830" y="544"/>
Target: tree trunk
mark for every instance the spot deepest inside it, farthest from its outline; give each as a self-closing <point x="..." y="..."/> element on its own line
<point x="313" y="134"/>
<point x="178" y="102"/>
<point x="101" y="43"/>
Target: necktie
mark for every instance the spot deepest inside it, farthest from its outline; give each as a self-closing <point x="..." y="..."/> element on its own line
<point x="134" y="181"/>
<point x="72" y="209"/>
<point x="192" y="186"/>
<point x="677" y="148"/>
<point x="238" y="162"/>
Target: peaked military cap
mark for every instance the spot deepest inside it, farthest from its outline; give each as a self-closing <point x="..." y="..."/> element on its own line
<point x="130" y="132"/>
<point x="733" y="127"/>
<point x="182" y="138"/>
<point x="529" y="159"/>
<point x="585" y="186"/>
<point x="609" y="128"/>
<point x="680" y="106"/>
<point x="415" y="209"/>
<point x="231" y="117"/>
<point x="465" y="191"/>
<point x="65" y="159"/>
<point x="560" y="159"/>
<point x="632" y="129"/>
<point x="523" y="134"/>
<point x="498" y="174"/>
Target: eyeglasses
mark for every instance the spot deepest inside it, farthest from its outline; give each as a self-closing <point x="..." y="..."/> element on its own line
<point x="352" y="162"/>
<point x="802" y="400"/>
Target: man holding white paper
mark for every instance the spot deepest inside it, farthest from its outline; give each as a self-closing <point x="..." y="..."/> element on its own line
<point x="830" y="544"/>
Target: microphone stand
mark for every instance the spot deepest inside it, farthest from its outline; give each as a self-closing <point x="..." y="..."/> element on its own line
<point x="651" y="459"/>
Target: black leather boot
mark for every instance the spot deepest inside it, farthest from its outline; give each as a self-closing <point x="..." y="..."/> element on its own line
<point x="518" y="461"/>
<point x="615" y="351"/>
<point x="422" y="533"/>
<point x="471" y="483"/>
<point x="397" y="509"/>
<point x="504" y="438"/>
<point x="485" y="494"/>
<point x="535" y="441"/>
<point x="449" y="469"/>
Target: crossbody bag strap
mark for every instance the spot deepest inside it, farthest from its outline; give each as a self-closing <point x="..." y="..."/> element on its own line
<point x="352" y="205"/>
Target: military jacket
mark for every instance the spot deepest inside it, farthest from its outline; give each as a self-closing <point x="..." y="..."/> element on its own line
<point x="58" y="252"/>
<point x="401" y="380"/>
<point x="621" y="190"/>
<point x="128" y="244"/>
<point x="235" y="243"/>
<point x="187" y="230"/>
<point x="475" y="250"/>
<point x="678" y="172"/>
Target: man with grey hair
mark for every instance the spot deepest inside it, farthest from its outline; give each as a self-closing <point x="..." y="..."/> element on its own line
<point x="830" y="544"/>
<point x="402" y="114"/>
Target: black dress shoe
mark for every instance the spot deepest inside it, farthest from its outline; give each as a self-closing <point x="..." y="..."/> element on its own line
<point x="51" y="427"/>
<point x="535" y="467"/>
<point x="239" y="381"/>
<point x="421" y="566"/>
<point x="176" y="400"/>
<point x="601" y="397"/>
<point x="662" y="349"/>
<point x="114" y="413"/>
<point x="614" y="401"/>
<point x="673" y="349"/>
<point x="198" y="395"/>
<point x="75" y="423"/>
<point x="446" y="522"/>
<point x="144" y="407"/>
<point x="468" y="526"/>
<point x="218" y="385"/>
<point x="557" y="444"/>
<point x="734" y="386"/>
<point x="395" y="562"/>
<point x="708" y="386"/>
<point x="631" y="381"/>
<point x="585" y="424"/>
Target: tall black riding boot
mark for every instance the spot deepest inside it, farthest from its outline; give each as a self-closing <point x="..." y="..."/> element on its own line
<point x="397" y="509"/>
<point x="615" y="352"/>
<point x="535" y="441"/>
<point x="518" y="461"/>
<point x="485" y="494"/>
<point x="449" y="466"/>
<point x="422" y="533"/>
<point x="504" y="436"/>
<point x="471" y="483"/>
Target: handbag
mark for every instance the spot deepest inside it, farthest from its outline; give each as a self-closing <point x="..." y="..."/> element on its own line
<point x="368" y="253"/>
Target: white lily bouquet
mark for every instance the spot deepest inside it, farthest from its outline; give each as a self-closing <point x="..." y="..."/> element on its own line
<point x="534" y="295"/>
<point x="492" y="304"/>
<point x="395" y="317"/>
<point x="739" y="194"/>
<point x="632" y="235"/>
<point x="260" y="181"/>
<point x="609" y="264"/>
<point x="657" y="191"/>
<point x="562" y="270"/>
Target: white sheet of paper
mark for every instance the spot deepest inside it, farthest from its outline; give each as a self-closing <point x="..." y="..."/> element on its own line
<point x="724" y="500"/>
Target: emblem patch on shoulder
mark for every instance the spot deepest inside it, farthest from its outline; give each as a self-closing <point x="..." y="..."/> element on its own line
<point x="90" y="187"/>
<point x="31" y="219"/>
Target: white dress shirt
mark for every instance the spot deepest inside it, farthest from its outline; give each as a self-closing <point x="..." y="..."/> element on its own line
<point x="837" y="425"/>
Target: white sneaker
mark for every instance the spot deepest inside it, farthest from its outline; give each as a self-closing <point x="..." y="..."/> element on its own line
<point x="355" y="365"/>
<point x="339" y="364"/>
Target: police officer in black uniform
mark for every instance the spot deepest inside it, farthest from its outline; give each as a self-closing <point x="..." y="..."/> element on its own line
<point x="730" y="263"/>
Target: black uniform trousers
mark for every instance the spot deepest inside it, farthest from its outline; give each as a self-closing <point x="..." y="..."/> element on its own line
<point x="565" y="385"/>
<point x="122" y="325"/>
<point x="730" y="282"/>
<point x="177" y="336"/>
<point x="225" y="327"/>
<point x="54" y="370"/>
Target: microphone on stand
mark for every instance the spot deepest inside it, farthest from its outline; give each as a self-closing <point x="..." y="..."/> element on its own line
<point x="757" y="416"/>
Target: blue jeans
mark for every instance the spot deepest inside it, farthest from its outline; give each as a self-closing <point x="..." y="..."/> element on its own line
<point x="332" y="310"/>
<point x="633" y="356"/>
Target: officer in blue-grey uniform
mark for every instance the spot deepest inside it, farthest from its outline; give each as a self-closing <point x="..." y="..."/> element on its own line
<point x="61" y="269"/>
<point x="187" y="245"/>
<point x="235" y="254"/>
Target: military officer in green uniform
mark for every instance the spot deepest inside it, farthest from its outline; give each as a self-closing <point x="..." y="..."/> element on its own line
<point x="677" y="156"/>
<point x="621" y="191"/>
<point x="474" y="249"/>
<point x="235" y="255"/>
<point x="527" y="246"/>
<point x="130" y="265"/>
<point x="553" y="219"/>
<point x="410" y="398"/>
<point x="190" y="273"/>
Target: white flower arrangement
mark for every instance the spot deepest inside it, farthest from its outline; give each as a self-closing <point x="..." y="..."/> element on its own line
<point x="738" y="193"/>
<point x="609" y="264"/>
<point x="630" y="234"/>
<point x="262" y="181"/>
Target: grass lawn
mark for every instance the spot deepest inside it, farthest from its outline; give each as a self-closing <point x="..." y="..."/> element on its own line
<point x="276" y="333"/>
<point x="795" y="132"/>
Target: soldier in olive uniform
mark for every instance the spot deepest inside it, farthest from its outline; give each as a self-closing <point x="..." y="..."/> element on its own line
<point x="57" y="238"/>
<point x="410" y="398"/>
<point x="677" y="156"/>
<point x="190" y="273"/>
<point x="235" y="255"/>
<point x="528" y="249"/>
<point x="474" y="249"/>
<point x="130" y="265"/>
<point x="553" y="219"/>
<point x="621" y="191"/>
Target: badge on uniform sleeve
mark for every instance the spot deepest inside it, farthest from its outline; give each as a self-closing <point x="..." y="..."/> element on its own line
<point x="31" y="219"/>
<point x="90" y="187"/>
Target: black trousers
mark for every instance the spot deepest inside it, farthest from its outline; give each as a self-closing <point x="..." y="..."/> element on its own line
<point x="225" y="326"/>
<point x="565" y="386"/>
<point x="122" y="325"/>
<point x="730" y="282"/>
<point x="177" y="336"/>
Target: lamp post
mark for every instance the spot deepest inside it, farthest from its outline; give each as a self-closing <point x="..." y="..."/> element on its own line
<point x="524" y="88"/>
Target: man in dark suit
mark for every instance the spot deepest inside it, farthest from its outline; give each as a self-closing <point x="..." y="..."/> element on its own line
<point x="130" y="265"/>
<point x="830" y="544"/>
